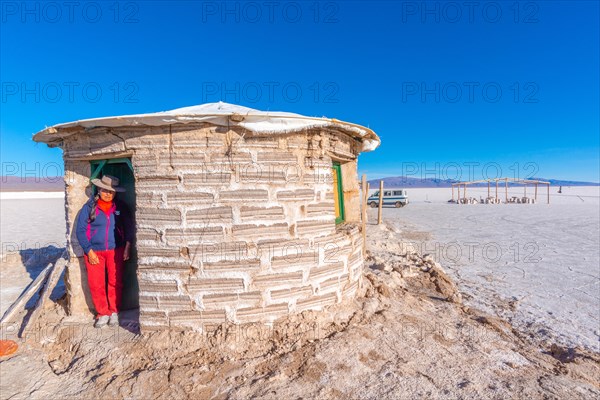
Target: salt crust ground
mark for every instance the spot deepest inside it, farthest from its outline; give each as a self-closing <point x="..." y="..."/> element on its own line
<point x="408" y="336"/>
<point x="538" y="266"/>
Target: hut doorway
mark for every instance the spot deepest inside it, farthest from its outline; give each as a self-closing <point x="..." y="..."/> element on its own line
<point x="338" y="192"/>
<point x="123" y="169"/>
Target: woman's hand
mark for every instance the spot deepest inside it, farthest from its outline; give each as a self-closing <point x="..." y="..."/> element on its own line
<point x="126" y="251"/>
<point x="93" y="257"/>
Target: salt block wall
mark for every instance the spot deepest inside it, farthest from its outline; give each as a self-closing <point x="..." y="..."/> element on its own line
<point x="77" y="193"/>
<point x="231" y="226"/>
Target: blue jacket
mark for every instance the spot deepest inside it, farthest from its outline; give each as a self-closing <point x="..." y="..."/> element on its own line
<point x="106" y="232"/>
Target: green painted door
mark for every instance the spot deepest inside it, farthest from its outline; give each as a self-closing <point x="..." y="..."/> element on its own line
<point x="338" y="193"/>
<point x="122" y="169"/>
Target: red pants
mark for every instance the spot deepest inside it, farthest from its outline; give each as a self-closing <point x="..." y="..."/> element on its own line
<point x="105" y="280"/>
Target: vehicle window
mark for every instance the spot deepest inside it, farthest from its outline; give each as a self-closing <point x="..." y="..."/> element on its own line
<point x="387" y="193"/>
<point x="375" y="194"/>
<point x="398" y="193"/>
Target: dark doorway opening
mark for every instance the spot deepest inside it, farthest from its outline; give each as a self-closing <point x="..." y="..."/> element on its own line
<point x="123" y="169"/>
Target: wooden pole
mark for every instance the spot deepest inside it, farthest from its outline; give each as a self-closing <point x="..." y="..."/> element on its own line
<point x="488" y="189"/>
<point x="452" y="193"/>
<point x="506" y="189"/>
<point x="26" y="295"/>
<point x="380" y="211"/>
<point x="496" y="190"/>
<point x="465" y="191"/>
<point x="458" y="188"/>
<point x="535" y="196"/>
<point x="51" y="281"/>
<point x="548" y="193"/>
<point x="525" y="192"/>
<point x="363" y="212"/>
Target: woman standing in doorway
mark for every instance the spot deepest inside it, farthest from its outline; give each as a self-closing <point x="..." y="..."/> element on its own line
<point x="105" y="232"/>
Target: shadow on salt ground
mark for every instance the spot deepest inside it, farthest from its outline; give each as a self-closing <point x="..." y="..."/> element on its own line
<point x="130" y="320"/>
<point x="35" y="260"/>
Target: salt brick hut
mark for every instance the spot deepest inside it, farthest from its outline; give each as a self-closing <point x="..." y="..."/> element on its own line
<point x="241" y="215"/>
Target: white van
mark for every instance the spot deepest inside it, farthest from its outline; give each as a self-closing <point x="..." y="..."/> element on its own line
<point x="395" y="197"/>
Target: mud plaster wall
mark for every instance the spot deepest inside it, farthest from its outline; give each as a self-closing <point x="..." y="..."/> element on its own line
<point x="231" y="226"/>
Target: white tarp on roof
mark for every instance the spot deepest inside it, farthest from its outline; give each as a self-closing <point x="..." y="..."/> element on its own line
<point x="223" y="114"/>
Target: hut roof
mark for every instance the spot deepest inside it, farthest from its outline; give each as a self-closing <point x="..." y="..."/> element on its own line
<point x="220" y="113"/>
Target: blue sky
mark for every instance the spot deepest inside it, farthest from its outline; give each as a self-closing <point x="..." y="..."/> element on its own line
<point x="454" y="90"/>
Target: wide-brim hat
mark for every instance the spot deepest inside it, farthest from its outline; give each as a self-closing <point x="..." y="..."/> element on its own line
<point x="108" y="182"/>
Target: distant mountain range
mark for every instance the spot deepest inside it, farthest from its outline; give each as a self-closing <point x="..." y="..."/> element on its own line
<point x="56" y="183"/>
<point x="32" y="184"/>
<point x="410" y="182"/>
